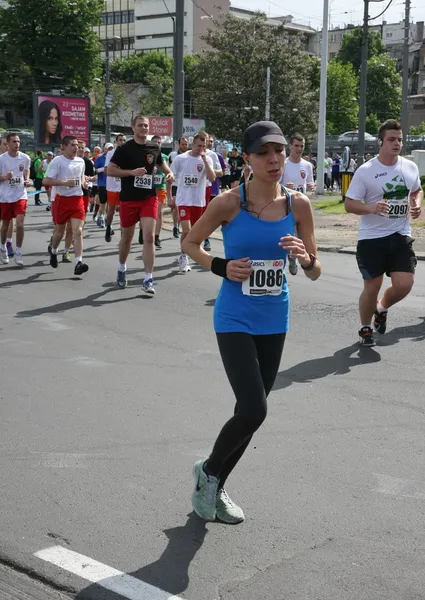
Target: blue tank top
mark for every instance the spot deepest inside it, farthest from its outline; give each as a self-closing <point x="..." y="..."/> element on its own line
<point x="260" y="306"/>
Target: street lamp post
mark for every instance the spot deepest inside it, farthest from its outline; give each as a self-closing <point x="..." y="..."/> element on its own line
<point x="108" y="96"/>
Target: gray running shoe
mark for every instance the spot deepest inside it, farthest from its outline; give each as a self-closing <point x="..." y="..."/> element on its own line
<point x="121" y="279"/>
<point x="226" y="510"/>
<point x="204" y="496"/>
<point x="293" y="267"/>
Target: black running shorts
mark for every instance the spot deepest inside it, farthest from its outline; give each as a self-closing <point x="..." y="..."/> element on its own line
<point x="390" y="254"/>
<point x="101" y="192"/>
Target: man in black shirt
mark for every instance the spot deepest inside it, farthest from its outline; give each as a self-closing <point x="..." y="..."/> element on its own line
<point x="134" y="163"/>
<point x="237" y="164"/>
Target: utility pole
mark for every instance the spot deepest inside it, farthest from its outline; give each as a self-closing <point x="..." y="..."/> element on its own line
<point x="108" y="97"/>
<point x="321" y="138"/>
<point x="178" y="72"/>
<point x="363" y="84"/>
<point x="267" y="113"/>
<point x="405" y="86"/>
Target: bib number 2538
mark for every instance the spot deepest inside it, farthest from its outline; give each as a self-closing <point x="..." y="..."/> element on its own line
<point x="266" y="278"/>
<point x="143" y="182"/>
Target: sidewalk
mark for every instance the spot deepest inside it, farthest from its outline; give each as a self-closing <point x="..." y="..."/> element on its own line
<point x="334" y="233"/>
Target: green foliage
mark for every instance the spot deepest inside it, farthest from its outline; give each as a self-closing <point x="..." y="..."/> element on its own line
<point x="136" y="68"/>
<point x="351" y="47"/>
<point x="418" y="129"/>
<point x="342" y="106"/>
<point x="48" y="44"/>
<point x="383" y="88"/>
<point x="231" y="78"/>
<point x="372" y="124"/>
<point x="119" y="101"/>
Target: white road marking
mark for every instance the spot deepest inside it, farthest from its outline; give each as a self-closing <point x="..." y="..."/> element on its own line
<point x="107" y="577"/>
<point x="50" y="322"/>
<point x="395" y="486"/>
<point x="86" y="361"/>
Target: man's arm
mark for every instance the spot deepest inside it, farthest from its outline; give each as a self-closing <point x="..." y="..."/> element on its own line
<point x="208" y="168"/>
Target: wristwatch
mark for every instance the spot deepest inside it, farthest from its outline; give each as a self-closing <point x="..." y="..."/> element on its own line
<point x="312" y="264"/>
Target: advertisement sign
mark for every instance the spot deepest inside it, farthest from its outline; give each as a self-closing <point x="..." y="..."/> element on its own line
<point x="57" y="116"/>
<point x="162" y="126"/>
<point x="192" y="126"/>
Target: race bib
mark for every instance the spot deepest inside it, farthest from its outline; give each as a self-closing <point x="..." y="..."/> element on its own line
<point x="16" y="182"/>
<point x="399" y="209"/>
<point x="143" y="182"/>
<point x="301" y="188"/>
<point x="157" y="179"/>
<point x="191" y="180"/>
<point x="266" y="279"/>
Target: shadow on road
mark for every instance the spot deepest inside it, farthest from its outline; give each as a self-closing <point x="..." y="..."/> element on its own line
<point x="340" y="363"/>
<point x="169" y="573"/>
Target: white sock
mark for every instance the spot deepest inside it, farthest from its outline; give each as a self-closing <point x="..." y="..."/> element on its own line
<point x="17" y="250"/>
<point x="381" y="308"/>
<point x="148" y="276"/>
<point x="54" y="250"/>
<point x="122" y="268"/>
<point x="78" y="259"/>
<point x="67" y="250"/>
<point x="9" y="240"/>
<point x="2" y="246"/>
<point x="367" y="325"/>
<point x="183" y="255"/>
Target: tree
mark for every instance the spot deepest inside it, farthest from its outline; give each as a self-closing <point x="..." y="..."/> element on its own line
<point x="372" y="124"/>
<point x="48" y="44"/>
<point x="383" y="97"/>
<point x="351" y="47"/>
<point x="342" y="107"/>
<point x="119" y="101"/>
<point x="136" y="68"/>
<point x="158" y="99"/>
<point x="418" y="129"/>
<point x="231" y="78"/>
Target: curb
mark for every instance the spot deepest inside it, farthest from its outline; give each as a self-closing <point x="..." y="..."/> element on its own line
<point x="321" y="248"/>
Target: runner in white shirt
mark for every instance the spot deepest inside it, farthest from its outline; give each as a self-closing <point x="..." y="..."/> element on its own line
<point x="183" y="143"/>
<point x="66" y="173"/>
<point x="218" y="172"/>
<point x="113" y="189"/>
<point x="385" y="192"/>
<point x="191" y="171"/>
<point x="297" y="175"/>
<point x="4" y="147"/>
<point x="14" y="180"/>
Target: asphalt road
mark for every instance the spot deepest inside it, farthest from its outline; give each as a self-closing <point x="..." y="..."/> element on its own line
<point x="108" y="398"/>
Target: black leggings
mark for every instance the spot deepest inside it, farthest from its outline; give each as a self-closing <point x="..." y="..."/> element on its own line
<point x="251" y="363"/>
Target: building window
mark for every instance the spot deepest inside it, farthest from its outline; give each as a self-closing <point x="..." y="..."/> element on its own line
<point x="332" y="55"/>
<point x="117" y="17"/>
<point x="389" y="34"/>
<point x="154" y="36"/>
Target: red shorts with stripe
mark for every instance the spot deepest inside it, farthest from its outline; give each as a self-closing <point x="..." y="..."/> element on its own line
<point x="131" y="211"/>
<point x="69" y="207"/>
<point x="190" y="213"/>
<point x="86" y="200"/>
<point x="113" y="198"/>
<point x="208" y="195"/>
<point x="10" y="210"/>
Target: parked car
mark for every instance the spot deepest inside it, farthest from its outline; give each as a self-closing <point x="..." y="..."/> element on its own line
<point x="353" y="136"/>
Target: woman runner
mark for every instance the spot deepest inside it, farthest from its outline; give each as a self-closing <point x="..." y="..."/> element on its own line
<point x="251" y="315"/>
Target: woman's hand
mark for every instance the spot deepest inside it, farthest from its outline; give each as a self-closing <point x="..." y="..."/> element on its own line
<point x="296" y="249"/>
<point x="239" y="270"/>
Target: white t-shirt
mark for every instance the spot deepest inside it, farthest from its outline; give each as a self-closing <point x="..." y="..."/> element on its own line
<point x="64" y="168"/>
<point x="298" y="173"/>
<point x="191" y="179"/>
<point x="113" y="184"/>
<point x="14" y="189"/>
<point x="374" y="181"/>
<point x="328" y="166"/>
<point x="215" y="161"/>
<point x="352" y="166"/>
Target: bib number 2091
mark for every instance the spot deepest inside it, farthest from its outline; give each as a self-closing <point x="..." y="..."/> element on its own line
<point x="266" y="278"/>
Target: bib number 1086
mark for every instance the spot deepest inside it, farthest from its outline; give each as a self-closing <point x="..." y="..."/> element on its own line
<point x="267" y="278"/>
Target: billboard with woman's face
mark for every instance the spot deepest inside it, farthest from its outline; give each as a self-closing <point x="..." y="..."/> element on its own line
<point x="57" y="116"/>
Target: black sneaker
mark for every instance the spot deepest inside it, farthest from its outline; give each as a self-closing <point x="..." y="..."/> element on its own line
<point x="48" y="208"/>
<point x="380" y="321"/>
<point x="54" y="261"/>
<point x="49" y="247"/>
<point x="175" y="231"/>
<point x="108" y="234"/>
<point x="80" y="268"/>
<point x="141" y="237"/>
<point x="158" y="244"/>
<point x="292" y="264"/>
<point x="366" y="337"/>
